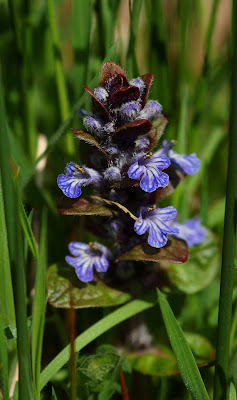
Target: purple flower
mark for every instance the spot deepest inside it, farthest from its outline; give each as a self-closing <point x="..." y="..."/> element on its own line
<point x="149" y="167"/>
<point x="86" y="257"/>
<point x="153" y="220"/>
<point x="191" y="231"/>
<point x="189" y="164"/>
<point x="76" y="177"/>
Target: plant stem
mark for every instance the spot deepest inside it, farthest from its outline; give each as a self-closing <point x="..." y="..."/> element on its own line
<point x="226" y="289"/>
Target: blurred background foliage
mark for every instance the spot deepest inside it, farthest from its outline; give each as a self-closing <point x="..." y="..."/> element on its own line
<point x="49" y="50"/>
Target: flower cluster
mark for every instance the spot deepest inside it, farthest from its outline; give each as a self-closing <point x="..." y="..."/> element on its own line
<point x="128" y="178"/>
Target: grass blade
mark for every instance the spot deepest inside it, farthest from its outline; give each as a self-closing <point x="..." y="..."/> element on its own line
<point x="228" y="254"/>
<point x="7" y="312"/>
<point x="91" y="334"/>
<point x="185" y="359"/>
<point x="232" y="394"/>
<point x="3" y="363"/>
<point x="39" y="305"/>
<point x="25" y="224"/>
<point x="61" y="86"/>
<point x="16" y="252"/>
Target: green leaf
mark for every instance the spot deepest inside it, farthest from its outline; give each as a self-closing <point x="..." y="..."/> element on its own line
<point x="64" y="286"/>
<point x="25" y="224"/>
<point x="185" y="359"/>
<point x="67" y="206"/>
<point x="200" y="346"/>
<point x="7" y="312"/>
<point x="200" y="268"/>
<point x="156" y="361"/>
<point x="3" y="363"/>
<point x="53" y="396"/>
<point x="232" y="394"/>
<point x="175" y="251"/>
<point x="39" y="306"/>
<point x="96" y="369"/>
<point x="10" y="331"/>
<point x="106" y="323"/>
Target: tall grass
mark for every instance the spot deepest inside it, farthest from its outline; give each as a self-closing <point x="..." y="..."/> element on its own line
<point x="49" y="51"/>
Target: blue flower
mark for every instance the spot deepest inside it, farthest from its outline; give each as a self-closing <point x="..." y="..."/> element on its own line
<point x="86" y="257"/>
<point x="76" y="177"/>
<point x="149" y="167"/>
<point x="153" y="220"/>
<point x="191" y="231"/>
<point x="189" y="164"/>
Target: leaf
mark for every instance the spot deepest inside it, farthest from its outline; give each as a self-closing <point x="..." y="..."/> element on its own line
<point x="200" y="269"/>
<point x="127" y="133"/>
<point x="156" y="361"/>
<point x="67" y="206"/>
<point x="97" y="368"/>
<point x="158" y="126"/>
<point x="175" y="251"/>
<point x="25" y="224"/>
<point x="39" y="307"/>
<point x="80" y="134"/>
<point x="100" y="327"/>
<point x="10" y="331"/>
<point x="63" y="286"/>
<point x="200" y="346"/>
<point x="185" y="359"/>
<point x="120" y="206"/>
<point x="232" y="393"/>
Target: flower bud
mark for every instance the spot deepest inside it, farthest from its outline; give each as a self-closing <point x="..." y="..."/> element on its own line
<point x="93" y="125"/>
<point x="139" y="83"/>
<point x="101" y="94"/>
<point x="112" y="173"/>
<point x="130" y="110"/>
<point x="151" y="110"/>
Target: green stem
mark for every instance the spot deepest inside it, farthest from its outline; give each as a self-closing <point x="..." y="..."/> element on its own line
<point x="61" y="86"/>
<point x="228" y="255"/>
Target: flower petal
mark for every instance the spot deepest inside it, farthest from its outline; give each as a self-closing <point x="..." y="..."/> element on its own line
<point x="190" y="164"/>
<point x="135" y="171"/>
<point x="141" y="227"/>
<point x="101" y="264"/>
<point x="166" y="213"/>
<point x="77" y="248"/>
<point x="69" y="185"/>
<point x="156" y="237"/>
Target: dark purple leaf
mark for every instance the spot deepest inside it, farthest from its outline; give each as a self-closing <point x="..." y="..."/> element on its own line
<point x="127" y="133"/>
<point x="175" y="251"/>
<point x="131" y="93"/>
<point x="147" y="79"/>
<point x="64" y="288"/>
<point x="97" y="105"/>
<point x="108" y="71"/>
<point x="82" y="135"/>
<point x="67" y="206"/>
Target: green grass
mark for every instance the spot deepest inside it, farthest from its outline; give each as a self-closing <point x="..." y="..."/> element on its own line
<point x="49" y="51"/>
